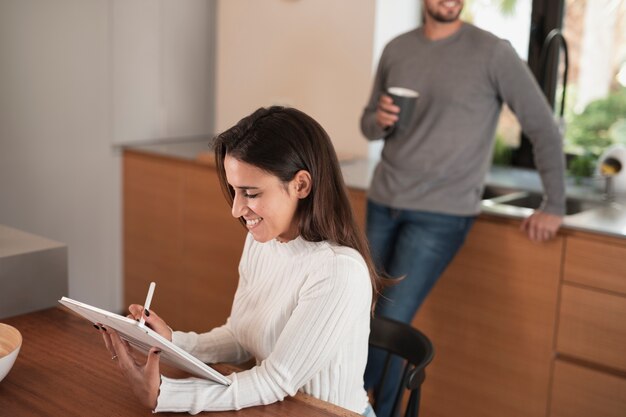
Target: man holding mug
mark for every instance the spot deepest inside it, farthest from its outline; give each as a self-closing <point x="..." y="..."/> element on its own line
<point x="427" y="188"/>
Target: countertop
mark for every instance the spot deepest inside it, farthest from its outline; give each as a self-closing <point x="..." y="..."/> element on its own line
<point x="15" y="242"/>
<point x="608" y="218"/>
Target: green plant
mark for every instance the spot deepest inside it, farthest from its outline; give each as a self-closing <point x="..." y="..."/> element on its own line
<point x="582" y="166"/>
<point x="502" y="153"/>
<point x="600" y="125"/>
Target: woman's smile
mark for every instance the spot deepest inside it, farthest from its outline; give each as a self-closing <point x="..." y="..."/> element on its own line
<point x="266" y="204"/>
<point x="252" y="223"/>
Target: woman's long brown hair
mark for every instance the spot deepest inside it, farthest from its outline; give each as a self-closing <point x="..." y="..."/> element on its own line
<point x="283" y="141"/>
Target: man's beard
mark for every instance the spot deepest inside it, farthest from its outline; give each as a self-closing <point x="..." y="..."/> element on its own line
<point x="440" y="17"/>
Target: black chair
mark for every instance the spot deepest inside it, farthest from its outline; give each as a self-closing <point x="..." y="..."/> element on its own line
<point x="404" y="341"/>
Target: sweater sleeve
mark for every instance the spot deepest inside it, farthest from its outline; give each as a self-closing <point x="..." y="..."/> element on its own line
<point x="369" y="127"/>
<point x="519" y="90"/>
<point x="333" y="298"/>
<point x="218" y="345"/>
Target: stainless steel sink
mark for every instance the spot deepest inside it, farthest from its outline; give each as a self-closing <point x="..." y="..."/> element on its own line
<point x="491" y="192"/>
<point x="532" y="200"/>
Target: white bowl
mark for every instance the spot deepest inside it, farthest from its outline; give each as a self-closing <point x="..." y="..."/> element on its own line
<point x="10" y="343"/>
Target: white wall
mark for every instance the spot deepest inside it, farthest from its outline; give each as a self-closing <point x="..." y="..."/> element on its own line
<point x="393" y="17"/>
<point x="59" y="176"/>
<point x="77" y="76"/>
<point x="73" y="82"/>
<point x="315" y="55"/>
<point x="163" y="75"/>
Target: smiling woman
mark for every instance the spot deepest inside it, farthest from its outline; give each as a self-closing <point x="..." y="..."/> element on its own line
<point x="306" y="285"/>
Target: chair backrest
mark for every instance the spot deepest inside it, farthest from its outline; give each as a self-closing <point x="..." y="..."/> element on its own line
<point x="406" y="342"/>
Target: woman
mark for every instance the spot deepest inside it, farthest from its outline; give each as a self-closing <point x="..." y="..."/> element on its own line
<point x="306" y="284"/>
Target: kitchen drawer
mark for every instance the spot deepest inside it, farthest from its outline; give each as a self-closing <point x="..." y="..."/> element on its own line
<point x="592" y="326"/>
<point x="596" y="264"/>
<point x="578" y="391"/>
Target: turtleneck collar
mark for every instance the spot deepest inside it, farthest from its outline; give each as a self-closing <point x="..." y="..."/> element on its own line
<point x="294" y="247"/>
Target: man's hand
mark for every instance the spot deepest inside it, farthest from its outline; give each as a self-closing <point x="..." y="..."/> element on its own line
<point x="541" y="226"/>
<point x="387" y="112"/>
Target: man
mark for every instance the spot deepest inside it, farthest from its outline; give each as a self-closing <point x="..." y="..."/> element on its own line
<point x="427" y="187"/>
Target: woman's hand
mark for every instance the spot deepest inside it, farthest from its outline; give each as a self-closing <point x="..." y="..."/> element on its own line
<point x="152" y="319"/>
<point x="144" y="379"/>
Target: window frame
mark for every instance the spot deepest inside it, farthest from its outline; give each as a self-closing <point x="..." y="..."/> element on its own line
<point x="546" y="15"/>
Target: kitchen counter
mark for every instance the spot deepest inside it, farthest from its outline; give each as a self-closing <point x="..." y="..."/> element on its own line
<point x="186" y="148"/>
<point x="609" y="218"/>
<point x="33" y="272"/>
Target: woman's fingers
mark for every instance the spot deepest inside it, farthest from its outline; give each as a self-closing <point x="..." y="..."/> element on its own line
<point x="144" y="379"/>
<point x="136" y="311"/>
<point x="122" y="350"/>
<point x="152" y="363"/>
<point x="107" y="339"/>
<point x="156" y="323"/>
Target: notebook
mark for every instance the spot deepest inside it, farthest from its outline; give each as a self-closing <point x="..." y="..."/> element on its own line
<point x="143" y="338"/>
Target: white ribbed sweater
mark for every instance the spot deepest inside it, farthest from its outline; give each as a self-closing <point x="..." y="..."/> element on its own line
<point x="302" y="309"/>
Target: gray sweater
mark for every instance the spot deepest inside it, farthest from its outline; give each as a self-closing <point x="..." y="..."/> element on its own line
<point x="439" y="162"/>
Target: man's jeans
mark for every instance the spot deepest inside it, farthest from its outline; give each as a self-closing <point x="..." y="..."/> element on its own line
<point x="418" y="246"/>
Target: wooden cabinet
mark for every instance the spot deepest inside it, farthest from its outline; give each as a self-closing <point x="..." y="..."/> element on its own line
<point x="506" y="308"/>
<point x="178" y="232"/>
<point x="598" y="263"/>
<point x="358" y="199"/>
<point x="491" y="319"/>
<point x="592" y="326"/>
<point x="590" y="375"/>
<point x="582" y="391"/>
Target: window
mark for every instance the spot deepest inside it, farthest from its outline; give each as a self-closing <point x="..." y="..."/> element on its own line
<point x="595" y="110"/>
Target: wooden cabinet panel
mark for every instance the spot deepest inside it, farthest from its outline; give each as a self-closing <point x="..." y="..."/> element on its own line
<point x="152" y="211"/>
<point x="491" y="318"/>
<point x="592" y="326"/>
<point x="358" y="199"/>
<point x="596" y="264"/>
<point x="581" y="392"/>
<point x="213" y="242"/>
<point x="179" y="232"/>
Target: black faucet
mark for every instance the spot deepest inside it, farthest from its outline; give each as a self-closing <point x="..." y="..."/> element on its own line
<point x="548" y="60"/>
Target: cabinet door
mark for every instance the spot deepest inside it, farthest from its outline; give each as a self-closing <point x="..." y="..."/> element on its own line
<point x="592" y="326"/>
<point x="491" y="319"/>
<point x="581" y="392"/>
<point x="596" y="264"/>
<point x="152" y="211"/>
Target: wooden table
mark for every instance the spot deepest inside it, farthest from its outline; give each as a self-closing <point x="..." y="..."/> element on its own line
<point x="63" y="369"/>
